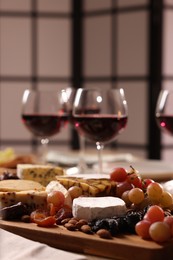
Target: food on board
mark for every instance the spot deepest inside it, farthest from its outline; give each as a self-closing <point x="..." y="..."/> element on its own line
<point x="123" y="203"/>
<point x="40" y="173"/>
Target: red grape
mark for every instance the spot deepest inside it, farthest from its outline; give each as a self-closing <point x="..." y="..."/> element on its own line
<point x="118" y="175"/>
<point x="146" y="182"/>
<point x="57" y="198"/>
<point x="171" y="230"/>
<point x="169" y="220"/>
<point x="154" y="214"/>
<point x="142" y="229"/>
<point x="135" y="180"/>
<point x="122" y="187"/>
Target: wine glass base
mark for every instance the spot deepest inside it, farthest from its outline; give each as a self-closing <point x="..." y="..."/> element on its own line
<point x="88" y="174"/>
<point x="77" y="170"/>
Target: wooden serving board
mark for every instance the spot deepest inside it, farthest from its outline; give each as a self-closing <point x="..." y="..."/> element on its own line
<point x="127" y="247"/>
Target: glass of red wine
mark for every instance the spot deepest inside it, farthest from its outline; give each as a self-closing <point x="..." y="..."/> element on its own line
<point x="100" y="116"/>
<point x="164" y="111"/>
<point x="81" y="166"/>
<point x="43" y="115"/>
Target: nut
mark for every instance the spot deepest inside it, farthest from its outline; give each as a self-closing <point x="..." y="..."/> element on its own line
<point x="70" y="226"/>
<point x="64" y="221"/>
<point x="103" y="233"/>
<point x="73" y="221"/>
<point x="86" y="229"/>
<point x="80" y="223"/>
<point x="77" y="219"/>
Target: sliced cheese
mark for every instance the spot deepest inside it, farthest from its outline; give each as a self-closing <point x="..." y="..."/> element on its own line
<point x="20" y="185"/>
<point x="168" y="186"/>
<point x="90" y="187"/>
<point x="40" y="173"/>
<point x="32" y="199"/>
<point x="56" y="186"/>
<point x="90" y="208"/>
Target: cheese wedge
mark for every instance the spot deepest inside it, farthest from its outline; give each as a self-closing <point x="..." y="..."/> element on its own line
<point x="90" y="187"/>
<point x="20" y="185"/>
<point x="40" y="173"/>
<point x="168" y="186"/>
<point x="90" y="208"/>
<point x="32" y="199"/>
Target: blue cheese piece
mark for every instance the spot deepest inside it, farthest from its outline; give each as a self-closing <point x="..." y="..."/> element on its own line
<point x="40" y="173"/>
<point x="90" y="208"/>
<point x="32" y="199"/>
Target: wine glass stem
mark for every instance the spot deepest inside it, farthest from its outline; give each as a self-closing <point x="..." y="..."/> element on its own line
<point x="44" y="149"/>
<point x="82" y="164"/>
<point x="100" y="160"/>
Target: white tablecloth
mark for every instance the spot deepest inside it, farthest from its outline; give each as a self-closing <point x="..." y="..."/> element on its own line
<point x="14" y="247"/>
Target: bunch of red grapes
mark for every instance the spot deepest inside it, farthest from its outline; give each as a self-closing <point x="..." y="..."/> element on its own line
<point x="139" y="193"/>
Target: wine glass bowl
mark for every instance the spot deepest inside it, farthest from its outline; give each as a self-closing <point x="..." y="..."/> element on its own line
<point x="43" y="114"/>
<point x="164" y="111"/>
<point x="100" y="115"/>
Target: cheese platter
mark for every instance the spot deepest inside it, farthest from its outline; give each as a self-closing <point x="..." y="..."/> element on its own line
<point x="125" y="247"/>
<point x="102" y="192"/>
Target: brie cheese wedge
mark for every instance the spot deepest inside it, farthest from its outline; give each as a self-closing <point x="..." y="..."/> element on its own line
<point x="90" y="208"/>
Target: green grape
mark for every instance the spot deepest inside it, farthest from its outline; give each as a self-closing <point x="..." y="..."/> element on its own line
<point x="136" y="195"/>
<point x="154" y="192"/>
<point x="166" y="199"/>
<point x="75" y="192"/>
<point x="160" y="232"/>
<point x="125" y="197"/>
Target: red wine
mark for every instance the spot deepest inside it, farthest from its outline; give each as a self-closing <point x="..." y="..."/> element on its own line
<point x="165" y="123"/>
<point x="87" y="111"/>
<point x="44" y="125"/>
<point x="100" y="128"/>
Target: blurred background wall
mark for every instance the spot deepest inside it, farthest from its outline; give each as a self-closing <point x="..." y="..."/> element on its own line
<point x="82" y="43"/>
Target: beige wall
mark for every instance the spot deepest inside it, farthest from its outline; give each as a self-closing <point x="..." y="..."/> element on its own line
<point x="54" y="60"/>
<point x="53" y="45"/>
<point x="131" y="59"/>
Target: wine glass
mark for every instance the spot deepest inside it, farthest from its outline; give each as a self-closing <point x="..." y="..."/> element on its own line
<point x="164" y="111"/>
<point x="43" y="115"/>
<point x="100" y="116"/>
<point x="81" y="165"/>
